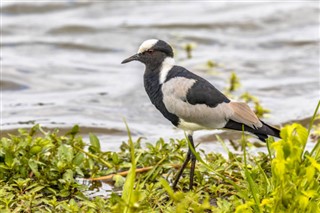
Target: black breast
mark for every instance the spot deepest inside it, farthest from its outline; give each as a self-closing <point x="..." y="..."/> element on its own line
<point x="153" y="89"/>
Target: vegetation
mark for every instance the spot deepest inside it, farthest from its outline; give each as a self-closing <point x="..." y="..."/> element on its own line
<point x="188" y="48"/>
<point x="44" y="172"/>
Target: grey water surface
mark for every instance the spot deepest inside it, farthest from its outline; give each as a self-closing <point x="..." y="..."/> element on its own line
<point x="60" y="61"/>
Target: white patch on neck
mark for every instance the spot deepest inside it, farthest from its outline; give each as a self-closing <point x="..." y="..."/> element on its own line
<point x="147" y="45"/>
<point x="166" y="66"/>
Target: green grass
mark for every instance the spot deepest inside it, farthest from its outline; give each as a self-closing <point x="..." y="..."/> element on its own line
<point x="39" y="172"/>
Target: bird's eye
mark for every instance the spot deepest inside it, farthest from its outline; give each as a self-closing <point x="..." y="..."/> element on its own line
<point x="149" y="51"/>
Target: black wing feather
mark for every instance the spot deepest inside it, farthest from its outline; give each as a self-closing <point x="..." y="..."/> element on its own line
<point x="261" y="132"/>
<point x="202" y="92"/>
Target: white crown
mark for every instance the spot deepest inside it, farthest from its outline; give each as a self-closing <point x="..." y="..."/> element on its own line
<point x="147" y="45"/>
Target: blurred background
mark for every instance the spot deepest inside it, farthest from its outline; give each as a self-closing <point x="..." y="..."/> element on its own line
<point x="60" y="61"/>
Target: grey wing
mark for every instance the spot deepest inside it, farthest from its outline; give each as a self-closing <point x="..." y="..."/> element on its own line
<point x="180" y="98"/>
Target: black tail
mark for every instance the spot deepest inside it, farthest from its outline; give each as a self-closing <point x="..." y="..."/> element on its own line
<point x="261" y="132"/>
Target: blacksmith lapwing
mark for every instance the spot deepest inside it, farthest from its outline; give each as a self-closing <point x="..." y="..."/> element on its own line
<point x="190" y="102"/>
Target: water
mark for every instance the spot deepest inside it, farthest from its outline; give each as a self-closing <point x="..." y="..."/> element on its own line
<point x="61" y="61"/>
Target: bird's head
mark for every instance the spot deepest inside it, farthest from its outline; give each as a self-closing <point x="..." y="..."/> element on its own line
<point x="151" y="52"/>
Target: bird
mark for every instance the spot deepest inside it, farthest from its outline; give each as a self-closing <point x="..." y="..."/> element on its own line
<point x="190" y="102"/>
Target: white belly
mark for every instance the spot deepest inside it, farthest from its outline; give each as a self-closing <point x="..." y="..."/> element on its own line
<point x="188" y="126"/>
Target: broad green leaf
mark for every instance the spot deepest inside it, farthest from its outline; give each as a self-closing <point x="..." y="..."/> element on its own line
<point x="115" y="158"/>
<point x="75" y="130"/>
<point x="9" y="159"/>
<point x="35" y="149"/>
<point x="34" y="167"/>
<point x="119" y="180"/>
<point x="65" y="153"/>
<point x="95" y="143"/>
<point x="78" y="159"/>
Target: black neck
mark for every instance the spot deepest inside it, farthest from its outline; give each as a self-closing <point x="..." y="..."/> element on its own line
<point x="151" y="84"/>
<point x="153" y="89"/>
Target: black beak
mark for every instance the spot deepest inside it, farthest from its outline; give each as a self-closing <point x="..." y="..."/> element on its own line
<point x="135" y="57"/>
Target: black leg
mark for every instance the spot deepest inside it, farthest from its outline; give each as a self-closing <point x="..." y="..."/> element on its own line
<point x="186" y="161"/>
<point x="193" y="162"/>
<point x="189" y="156"/>
<point x="193" y="165"/>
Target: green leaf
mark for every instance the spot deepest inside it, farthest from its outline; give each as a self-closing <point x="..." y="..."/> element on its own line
<point x="119" y="180"/>
<point x="9" y="159"/>
<point x="95" y="143"/>
<point x="35" y="149"/>
<point x="115" y="158"/>
<point x="78" y="159"/>
<point x="75" y="130"/>
<point x="34" y="129"/>
<point x="314" y="163"/>
<point x="64" y="193"/>
<point x="253" y="188"/>
<point x="34" y="167"/>
<point x="65" y="153"/>
<point x="36" y="189"/>
<point x="128" y="188"/>
<point x="167" y="187"/>
<point x="68" y="176"/>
